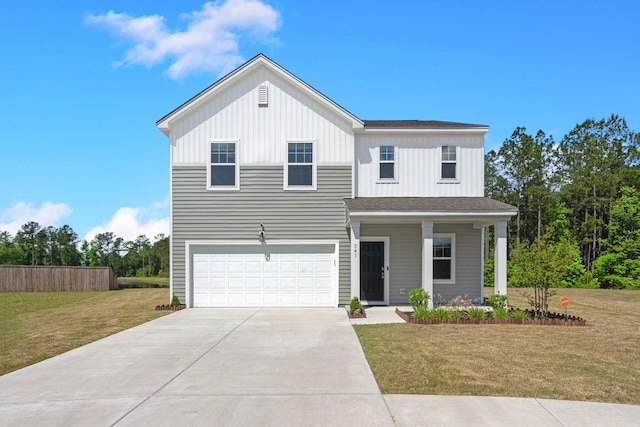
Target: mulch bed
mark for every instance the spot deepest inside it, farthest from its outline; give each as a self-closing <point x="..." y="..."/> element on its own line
<point x="170" y="307"/>
<point x="554" y="319"/>
<point x="357" y="314"/>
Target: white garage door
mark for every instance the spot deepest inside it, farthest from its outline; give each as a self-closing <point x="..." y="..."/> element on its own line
<point x="272" y="275"/>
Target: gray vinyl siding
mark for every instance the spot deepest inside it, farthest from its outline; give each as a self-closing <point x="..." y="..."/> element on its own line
<point x="468" y="262"/>
<point x="199" y="214"/>
<point x="405" y="256"/>
<point x="405" y="259"/>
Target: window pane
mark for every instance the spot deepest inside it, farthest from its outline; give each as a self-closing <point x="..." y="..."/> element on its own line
<point x="223" y="153"/>
<point x="448" y="170"/>
<point x="442" y="247"/>
<point x="386" y="170"/>
<point x="386" y="153"/>
<point x="300" y="175"/>
<point x="448" y="153"/>
<point x="441" y="269"/>
<point x="223" y="175"/>
<point x="300" y="152"/>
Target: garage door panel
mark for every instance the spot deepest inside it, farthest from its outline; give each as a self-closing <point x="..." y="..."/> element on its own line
<point x="307" y="298"/>
<point x="288" y="282"/>
<point x="288" y="266"/>
<point x="253" y="282"/>
<point x="306" y="266"/>
<point x="218" y="282"/>
<point x="253" y="266"/>
<point x="324" y="298"/>
<point x="270" y="267"/>
<point x="271" y="283"/>
<point x="235" y="282"/>
<point x="323" y="266"/>
<point x="236" y="266"/>
<point x="279" y="275"/>
<point x="306" y="282"/>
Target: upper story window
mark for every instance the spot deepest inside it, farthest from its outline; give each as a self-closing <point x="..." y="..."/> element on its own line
<point x="223" y="169"/>
<point x="300" y="168"/>
<point x="387" y="162"/>
<point x="444" y="258"/>
<point x="449" y="162"/>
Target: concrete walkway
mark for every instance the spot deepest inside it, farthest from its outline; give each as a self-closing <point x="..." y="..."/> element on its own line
<point x="237" y="367"/>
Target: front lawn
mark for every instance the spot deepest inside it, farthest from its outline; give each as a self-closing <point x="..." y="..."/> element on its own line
<point x="39" y="325"/>
<point x="598" y="362"/>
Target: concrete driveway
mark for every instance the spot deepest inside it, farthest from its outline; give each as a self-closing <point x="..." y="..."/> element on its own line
<point x="206" y="367"/>
<point x="263" y="367"/>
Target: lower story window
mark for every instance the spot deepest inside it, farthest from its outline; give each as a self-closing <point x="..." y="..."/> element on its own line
<point x="443" y="258"/>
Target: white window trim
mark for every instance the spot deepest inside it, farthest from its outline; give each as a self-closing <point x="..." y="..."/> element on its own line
<point x="393" y="180"/>
<point x="235" y="187"/>
<point x="314" y="169"/>
<point x="442" y="180"/>
<point x="451" y="281"/>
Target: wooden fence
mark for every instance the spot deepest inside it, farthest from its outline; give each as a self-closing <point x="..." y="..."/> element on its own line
<point x="26" y="278"/>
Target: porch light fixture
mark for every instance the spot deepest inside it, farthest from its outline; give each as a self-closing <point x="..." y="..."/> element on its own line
<point x="261" y="234"/>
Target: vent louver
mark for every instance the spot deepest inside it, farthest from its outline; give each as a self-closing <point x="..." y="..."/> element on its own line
<point x="263" y="96"/>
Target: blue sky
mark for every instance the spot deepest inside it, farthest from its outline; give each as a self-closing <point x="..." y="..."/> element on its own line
<point x="83" y="82"/>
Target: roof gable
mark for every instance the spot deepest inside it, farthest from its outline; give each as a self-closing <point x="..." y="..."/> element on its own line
<point x="260" y="60"/>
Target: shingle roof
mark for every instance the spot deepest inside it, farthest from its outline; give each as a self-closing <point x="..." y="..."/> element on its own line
<point x="417" y="124"/>
<point x="427" y="204"/>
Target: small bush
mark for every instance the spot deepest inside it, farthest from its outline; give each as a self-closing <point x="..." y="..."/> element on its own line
<point x="476" y="313"/>
<point x="520" y="314"/>
<point x="441" y="313"/>
<point x="175" y="301"/>
<point x="422" y="312"/>
<point x="355" y="304"/>
<point x="418" y="297"/>
<point x="498" y="301"/>
<point x="500" y="313"/>
<point x="455" y="314"/>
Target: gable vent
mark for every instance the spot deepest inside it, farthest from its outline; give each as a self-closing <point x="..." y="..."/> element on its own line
<point x="263" y="96"/>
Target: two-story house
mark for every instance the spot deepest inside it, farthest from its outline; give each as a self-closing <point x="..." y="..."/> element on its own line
<point x="281" y="197"/>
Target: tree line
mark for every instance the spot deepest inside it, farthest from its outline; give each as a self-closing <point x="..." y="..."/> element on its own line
<point x="34" y="244"/>
<point x="578" y="204"/>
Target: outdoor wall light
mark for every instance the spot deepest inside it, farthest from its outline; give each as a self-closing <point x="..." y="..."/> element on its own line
<point x="261" y="234"/>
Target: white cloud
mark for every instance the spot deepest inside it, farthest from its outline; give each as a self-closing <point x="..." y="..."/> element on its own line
<point x="209" y="42"/>
<point x="130" y="223"/>
<point x="46" y="214"/>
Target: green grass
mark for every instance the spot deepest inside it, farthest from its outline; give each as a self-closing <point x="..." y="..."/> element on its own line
<point x="160" y="281"/>
<point x="598" y="362"/>
<point x="39" y="325"/>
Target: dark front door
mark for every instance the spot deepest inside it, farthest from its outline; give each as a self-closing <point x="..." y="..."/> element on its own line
<point x="372" y="271"/>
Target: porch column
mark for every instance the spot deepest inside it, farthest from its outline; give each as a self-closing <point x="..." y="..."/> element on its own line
<point x="355" y="259"/>
<point x="500" y="258"/>
<point x="427" y="259"/>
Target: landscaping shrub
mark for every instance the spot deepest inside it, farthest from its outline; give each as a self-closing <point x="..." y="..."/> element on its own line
<point x="355" y="304"/>
<point x="419" y="297"/>
<point x="476" y="313"/>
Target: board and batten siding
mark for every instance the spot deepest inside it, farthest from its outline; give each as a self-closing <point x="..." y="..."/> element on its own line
<point x="405" y="259"/>
<point x="262" y="132"/>
<point x="418" y="166"/>
<point x="199" y="214"/>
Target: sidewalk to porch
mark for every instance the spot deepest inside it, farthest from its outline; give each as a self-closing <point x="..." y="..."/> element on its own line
<point x="377" y="314"/>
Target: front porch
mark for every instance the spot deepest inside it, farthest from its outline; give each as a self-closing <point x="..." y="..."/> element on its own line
<point x="398" y="244"/>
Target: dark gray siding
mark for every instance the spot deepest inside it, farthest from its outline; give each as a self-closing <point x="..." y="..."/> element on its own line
<point x="199" y="214"/>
